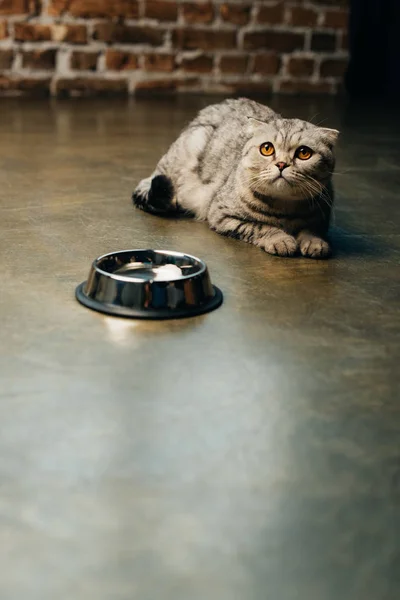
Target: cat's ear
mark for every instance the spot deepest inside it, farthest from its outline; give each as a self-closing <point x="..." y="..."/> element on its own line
<point x="253" y="122"/>
<point x="253" y="125"/>
<point x="331" y="135"/>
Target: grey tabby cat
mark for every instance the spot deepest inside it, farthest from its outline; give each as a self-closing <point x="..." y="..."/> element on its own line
<point x="252" y="175"/>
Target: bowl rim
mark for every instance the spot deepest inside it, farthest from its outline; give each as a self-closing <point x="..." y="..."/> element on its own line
<point x="126" y="279"/>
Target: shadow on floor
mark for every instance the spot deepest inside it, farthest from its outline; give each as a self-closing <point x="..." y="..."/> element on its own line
<point x="350" y="242"/>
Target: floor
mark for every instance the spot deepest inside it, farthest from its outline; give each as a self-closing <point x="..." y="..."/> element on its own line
<point x="248" y="454"/>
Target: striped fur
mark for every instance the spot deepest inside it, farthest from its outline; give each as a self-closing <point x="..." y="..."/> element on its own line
<point x="216" y="172"/>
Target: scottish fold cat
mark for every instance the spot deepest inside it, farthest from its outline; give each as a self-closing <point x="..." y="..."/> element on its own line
<point x="252" y="174"/>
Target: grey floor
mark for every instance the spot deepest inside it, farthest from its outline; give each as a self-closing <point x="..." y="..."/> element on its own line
<point x="248" y="454"/>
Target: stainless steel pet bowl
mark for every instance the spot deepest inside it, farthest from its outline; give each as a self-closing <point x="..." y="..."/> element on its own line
<point x="149" y="284"/>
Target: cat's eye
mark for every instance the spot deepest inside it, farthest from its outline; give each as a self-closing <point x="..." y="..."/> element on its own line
<point x="304" y="153"/>
<point x="267" y="149"/>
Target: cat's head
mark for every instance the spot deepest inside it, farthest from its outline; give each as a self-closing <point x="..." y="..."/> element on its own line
<point x="288" y="158"/>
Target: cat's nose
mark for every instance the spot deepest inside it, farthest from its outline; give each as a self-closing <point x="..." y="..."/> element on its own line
<point x="281" y="166"/>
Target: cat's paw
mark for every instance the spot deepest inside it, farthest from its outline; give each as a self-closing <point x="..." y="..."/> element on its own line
<point x="314" y="247"/>
<point x="281" y="244"/>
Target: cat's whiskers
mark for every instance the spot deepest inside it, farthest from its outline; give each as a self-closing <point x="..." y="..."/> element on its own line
<point x="315" y="186"/>
<point x="315" y="189"/>
<point x="259" y="180"/>
<point x="310" y="196"/>
<point x="261" y="175"/>
<point x="299" y="178"/>
<point x="324" y="194"/>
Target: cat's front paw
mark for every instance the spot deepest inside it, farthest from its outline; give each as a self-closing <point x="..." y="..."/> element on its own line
<point x="281" y="244"/>
<point x="314" y="247"/>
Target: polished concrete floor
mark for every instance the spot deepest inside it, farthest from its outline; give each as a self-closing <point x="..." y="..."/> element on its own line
<point x="248" y="454"/>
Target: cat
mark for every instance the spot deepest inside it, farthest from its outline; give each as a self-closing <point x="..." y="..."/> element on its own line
<point x="252" y="175"/>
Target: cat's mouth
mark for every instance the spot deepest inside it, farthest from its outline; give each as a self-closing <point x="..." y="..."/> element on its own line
<point x="280" y="177"/>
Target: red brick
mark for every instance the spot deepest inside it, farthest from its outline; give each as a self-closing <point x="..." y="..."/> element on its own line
<point x="6" y="59"/>
<point x="323" y="42"/>
<point x="162" y="11"/>
<point x="26" y="32"/>
<point x="3" y="30"/>
<point x="267" y="63"/>
<point x="189" y="84"/>
<point x="91" y="87"/>
<point x="159" y="62"/>
<point x="206" y="39"/>
<point x="35" y="7"/>
<point x="95" y="8"/>
<point x="120" y="61"/>
<point x="305" y="87"/>
<point x="128" y="34"/>
<point x="272" y="14"/>
<point x="25" y="85"/>
<point x="19" y="7"/>
<point x="335" y="67"/>
<point x="300" y="67"/>
<point x="235" y="13"/>
<point x="74" y="34"/>
<point x="234" y="64"/>
<point x="334" y="2"/>
<point x="199" y="64"/>
<point x="58" y="7"/>
<point x="41" y="60"/>
<point x="282" y="41"/>
<point x="84" y="61"/>
<point x="302" y="17"/>
<point x="336" y="18"/>
<point x="199" y="12"/>
<point x="6" y="84"/>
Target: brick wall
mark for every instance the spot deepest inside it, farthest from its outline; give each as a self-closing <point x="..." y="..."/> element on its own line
<point x="73" y="47"/>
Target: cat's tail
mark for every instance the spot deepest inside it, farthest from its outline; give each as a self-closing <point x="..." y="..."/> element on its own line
<point x="156" y="195"/>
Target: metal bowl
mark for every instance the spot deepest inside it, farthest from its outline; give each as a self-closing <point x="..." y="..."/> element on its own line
<point x="149" y="284"/>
